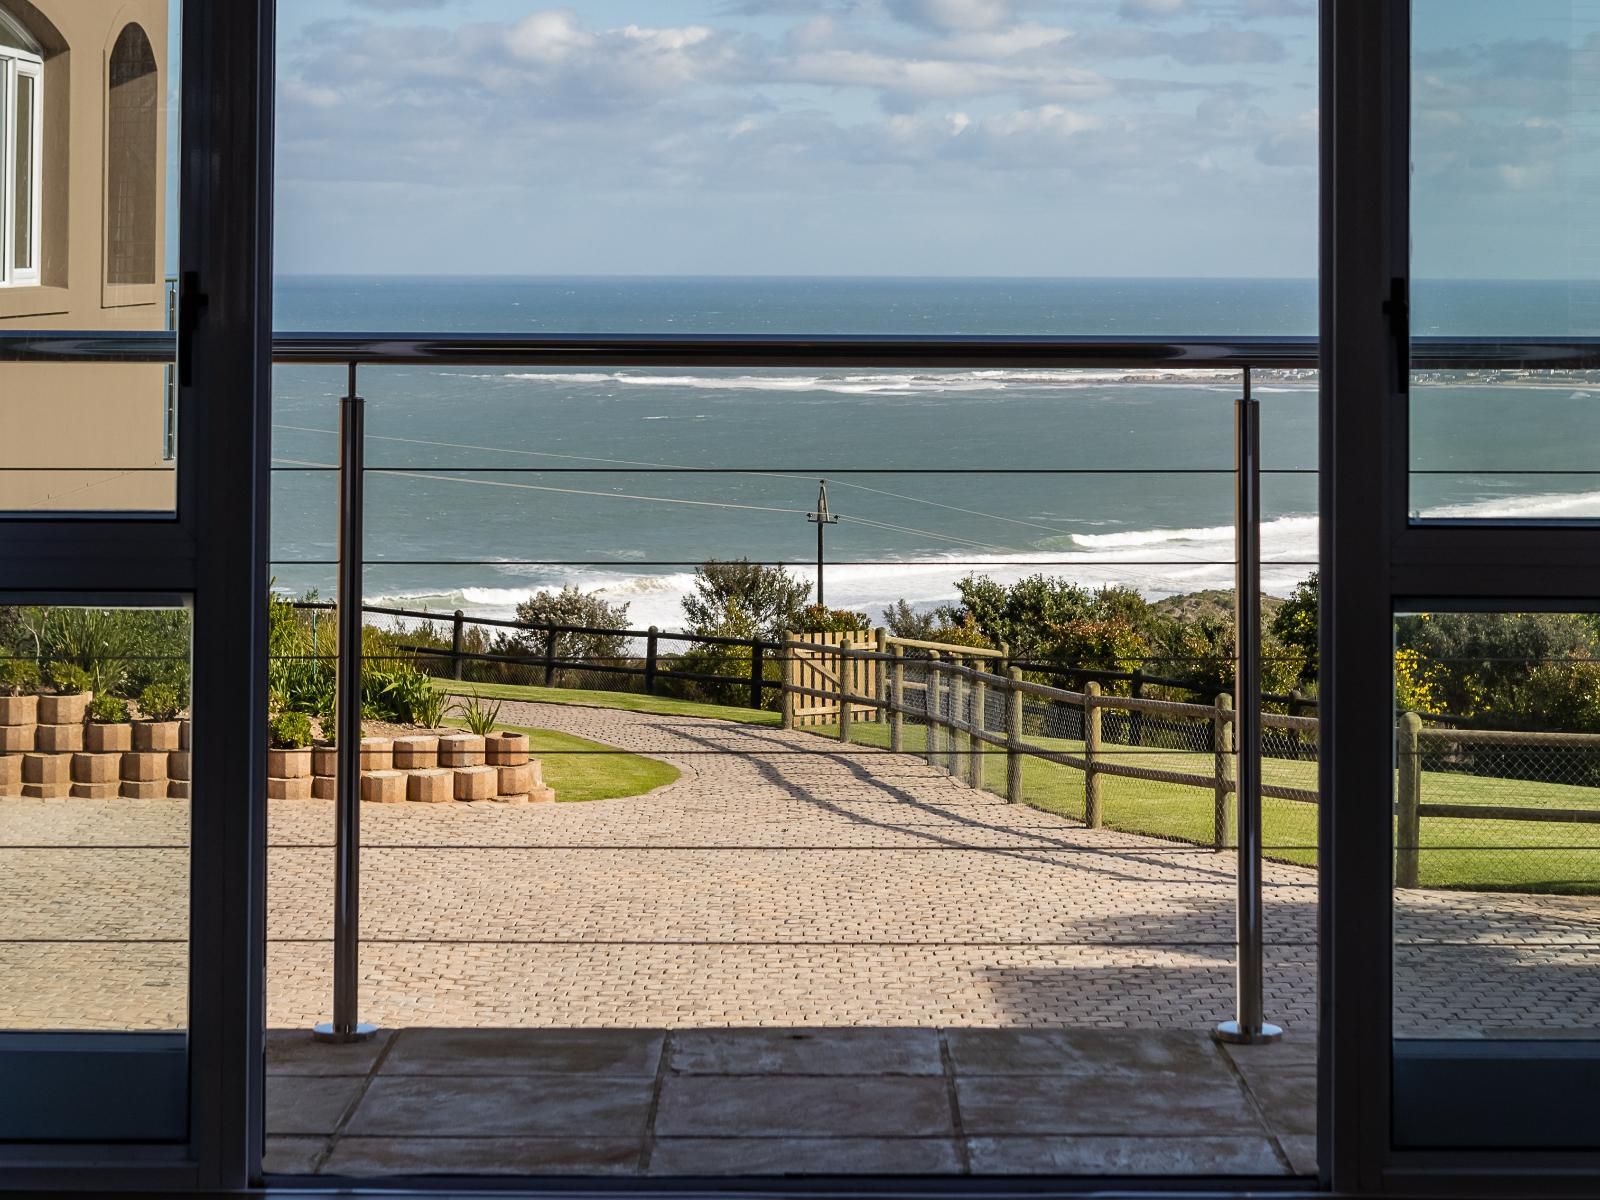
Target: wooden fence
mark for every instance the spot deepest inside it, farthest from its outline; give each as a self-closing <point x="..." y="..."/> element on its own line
<point x="956" y="704"/>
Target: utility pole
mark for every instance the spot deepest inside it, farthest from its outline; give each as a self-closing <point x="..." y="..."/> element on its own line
<point x="822" y="518"/>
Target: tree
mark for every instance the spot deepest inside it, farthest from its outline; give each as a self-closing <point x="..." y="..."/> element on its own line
<point x="1295" y="625"/>
<point x="906" y="622"/>
<point x="1020" y="615"/>
<point x="570" y="606"/>
<point x="815" y="618"/>
<point x="769" y="597"/>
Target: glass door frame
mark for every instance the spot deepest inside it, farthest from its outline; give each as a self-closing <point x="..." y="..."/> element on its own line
<point x="212" y="549"/>
<point x="1376" y="563"/>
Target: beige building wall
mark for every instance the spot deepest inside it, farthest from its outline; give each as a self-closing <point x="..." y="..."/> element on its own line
<point x="100" y="431"/>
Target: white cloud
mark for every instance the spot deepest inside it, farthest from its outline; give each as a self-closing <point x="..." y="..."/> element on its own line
<point x="953" y="14"/>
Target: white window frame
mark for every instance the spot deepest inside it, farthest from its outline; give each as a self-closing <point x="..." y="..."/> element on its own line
<point x="14" y="65"/>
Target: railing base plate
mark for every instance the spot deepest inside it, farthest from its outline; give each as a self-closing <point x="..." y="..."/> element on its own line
<point x="326" y="1032"/>
<point x="1235" y="1034"/>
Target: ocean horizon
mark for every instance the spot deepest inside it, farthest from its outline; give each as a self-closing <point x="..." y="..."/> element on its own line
<point x="490" y="484"/>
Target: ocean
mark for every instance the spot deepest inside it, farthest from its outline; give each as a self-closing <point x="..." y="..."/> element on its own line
<point x="489" y="484"/>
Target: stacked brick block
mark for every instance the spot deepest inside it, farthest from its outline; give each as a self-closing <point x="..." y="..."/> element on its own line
<point x="420" y="769"/>
<point x="48" y="751"/>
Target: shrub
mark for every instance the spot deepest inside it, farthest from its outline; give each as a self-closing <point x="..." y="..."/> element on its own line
<point x="290" y="731"/>
<point x="903" y="621"/>
<point x="69" y="678"/>
<point x="159" y="702"/>
<point x="429" y="709"/>
<point x="570" y="606"/>
<point x="108" y="710"/>
<point x="817" y="619"/>
<point x="769" y="597"/>
<point x="18" y="676"/>
<point x="480" y="717"/>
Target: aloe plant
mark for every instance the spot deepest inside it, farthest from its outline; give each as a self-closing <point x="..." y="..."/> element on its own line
<point x="480" y="717"/>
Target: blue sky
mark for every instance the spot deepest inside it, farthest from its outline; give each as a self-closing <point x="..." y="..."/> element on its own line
<point x="887" y="137"/>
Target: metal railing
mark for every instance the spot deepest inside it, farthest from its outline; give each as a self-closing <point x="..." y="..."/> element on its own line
<point x="1244" y="354"/>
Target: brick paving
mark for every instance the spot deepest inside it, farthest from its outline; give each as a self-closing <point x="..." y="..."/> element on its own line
<point x="782" y="881"/>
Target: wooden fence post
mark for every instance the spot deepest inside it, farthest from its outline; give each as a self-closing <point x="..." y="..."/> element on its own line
<point x="650" y="661"/>
<point x="979" y="747"/>
<point x="879" y="670"/>
<point x="758" y="668"/>
<point x="785" y="679"/>
<point x="1093" y="805"/>
<point x="897" y="719"/>
<point x="550" y="656"/>
<point x="1295" y="699"/>
<point x="958" y="705"/>
<point x="1408" y="818"/>
<point x="845" y="665"/>
<point x="1135" y="717"/>
<point x="457" y="641"/>
<point x="931" y="704"/>
<point x="1225" y="806"/>
<point x="1014" y="737"/>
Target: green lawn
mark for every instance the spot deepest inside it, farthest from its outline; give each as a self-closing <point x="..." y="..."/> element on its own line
<point x="627" y="701"/>
<point x="582" y="770"/>
<point x="1478" y="854"/>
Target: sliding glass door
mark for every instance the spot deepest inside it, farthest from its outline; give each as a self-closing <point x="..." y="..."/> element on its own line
<point x="133" y="354"/>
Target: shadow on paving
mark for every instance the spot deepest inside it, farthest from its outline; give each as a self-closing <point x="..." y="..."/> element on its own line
<point x="731" y="1102"/>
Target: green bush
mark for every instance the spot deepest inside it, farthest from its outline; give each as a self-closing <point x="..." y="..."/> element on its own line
<point x="18" y="676"/>
<point x="290" y="731"/>
<point x="817" y="619"/>
<point x="481" y="717"/>
<point x="108" y="709"/>
<point x="69" y="678"/>
<point x="429" y="710"/>
<point x="159" y="702"/>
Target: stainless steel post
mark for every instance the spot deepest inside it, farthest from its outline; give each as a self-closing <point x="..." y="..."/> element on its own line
<point x="346" y="1025"/>
<point x="1248" y="1024"/>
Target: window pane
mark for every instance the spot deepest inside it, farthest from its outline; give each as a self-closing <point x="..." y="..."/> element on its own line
<point x="1506" y="245"/>
<point x="24" y="174"/>
<point x="94" y="871"/>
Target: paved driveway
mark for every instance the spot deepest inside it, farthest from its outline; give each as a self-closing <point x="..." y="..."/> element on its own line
<point x="782" y="881"/>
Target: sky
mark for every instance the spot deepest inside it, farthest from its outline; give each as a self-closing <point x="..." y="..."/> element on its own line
<point x="1164" y="138"/>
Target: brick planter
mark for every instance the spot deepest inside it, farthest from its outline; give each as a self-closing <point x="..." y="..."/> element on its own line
<point x="377" y="754"/>
<point x="57" y="739"/>
<point x="476" y="783"/>
<point x="289" y="764"/>
<point x="383" y="787"/>
<point x="19" y="710"/>
<point x="179" y="764"/>
<point x="16" y="739"/>
<point x="143" y="789"/>
<point x="144" y="767"/>
<point x="183" y="734"/>
<point x="516" y="781"/>
<point x="325" y="760"/>
<point x="177" y="789"/>
<point x="96" y="791"/>
<point x="324" y="787"/>
<point x="46" y="776"/>
<point x="431" y="785"/>
<point x="416" y="753"/>
<point x="507" y="749"/>
<point x="64" y="710"/>
<point x="289" y="789"/>
<point x="10" y="775"/>
<point x="96" y="768"/>
<point x="107" y="738"/>
<point x="461" y="750"/>
<point x="155" y="736"/>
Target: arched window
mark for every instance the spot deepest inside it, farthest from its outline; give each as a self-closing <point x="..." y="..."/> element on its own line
<point x="21" y="152"/>
<point x="132" y="181"/>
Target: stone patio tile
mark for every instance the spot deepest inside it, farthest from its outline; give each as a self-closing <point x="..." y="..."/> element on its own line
<point x="1112" y="1105"/>
<point x="789" y="1106"/>
<point x="599" y="1052"/>
<point x="1301" y="1150"/>
<point x="1288" y="1098"/>
<point x="484" y="1156"/>
<point x="1123" y="1156"/>
<point x="1298" y="1048"/>
<point x="548" y="1106"/>
<point x="806" y="1052"/>
<point x="1104" y="1051"/>
<point x="292" y="1155"/>
<point x="296" y="1052"/>
<point x="805" y="1156"/>
<point x="308" y="1104"/>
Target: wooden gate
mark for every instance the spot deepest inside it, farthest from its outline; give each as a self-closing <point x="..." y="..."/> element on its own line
<point x="821" y="671"/>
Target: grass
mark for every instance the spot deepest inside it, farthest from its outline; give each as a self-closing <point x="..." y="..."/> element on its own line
<point x="626" y="701"/>
<point x="1485" y="855"/>
<point x="582" y="770"/>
